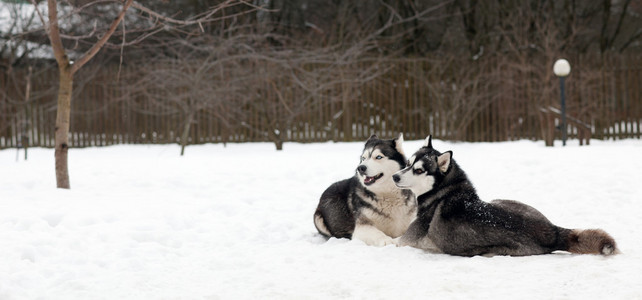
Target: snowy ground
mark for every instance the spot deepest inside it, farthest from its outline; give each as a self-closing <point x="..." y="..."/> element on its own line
<point x="141" y="222"/>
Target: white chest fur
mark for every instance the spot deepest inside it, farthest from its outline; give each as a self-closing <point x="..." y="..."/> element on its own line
<point x="394" y="213"/>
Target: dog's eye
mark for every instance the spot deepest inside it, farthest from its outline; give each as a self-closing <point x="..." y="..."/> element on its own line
<point x="361" y="159"/>
<point x="418" y="171"/>
<point x="379" y="157"/>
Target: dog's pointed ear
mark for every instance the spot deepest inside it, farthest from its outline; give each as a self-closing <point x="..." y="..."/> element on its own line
<point x="373" y="137"/>
<point x="428" y="141"/>
<point x="443" y="161"/>
<point x="399" y="144"/>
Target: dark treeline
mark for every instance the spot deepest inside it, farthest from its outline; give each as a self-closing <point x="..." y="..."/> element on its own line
<point x="468" y="28"/>
<point x="418" y="28"/>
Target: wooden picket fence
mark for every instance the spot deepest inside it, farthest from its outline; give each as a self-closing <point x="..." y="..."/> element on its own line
<point x="416" y="97"/>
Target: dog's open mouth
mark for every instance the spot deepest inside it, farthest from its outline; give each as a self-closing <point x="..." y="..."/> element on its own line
<point x="370" y="180"/>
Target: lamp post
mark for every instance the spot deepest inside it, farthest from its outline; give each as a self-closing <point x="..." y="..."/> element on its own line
<point x="562" y="68"/>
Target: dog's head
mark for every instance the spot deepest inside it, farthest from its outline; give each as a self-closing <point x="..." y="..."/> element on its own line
<point x="379" y="160"/>
<point x="424" y="169"/>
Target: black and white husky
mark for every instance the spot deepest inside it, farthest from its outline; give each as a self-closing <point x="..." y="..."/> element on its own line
<point x="369" y="207"/>
<point x="453" y="220"/>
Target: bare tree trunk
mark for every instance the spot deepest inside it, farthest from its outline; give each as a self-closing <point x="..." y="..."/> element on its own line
<point x="67" y="71"/>
<point x="62" y="126"/>
<point x="278" y="141"/>
<point x="186" y="128"/>
<point x="279" y="145"/>
<point x="276" y="136"/>
<point x="25" y="134"/>
<point x="345" y="106"/>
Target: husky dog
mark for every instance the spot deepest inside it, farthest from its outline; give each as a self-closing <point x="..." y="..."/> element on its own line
<point x="369" y="207"/>
<point x="453" y="220"/>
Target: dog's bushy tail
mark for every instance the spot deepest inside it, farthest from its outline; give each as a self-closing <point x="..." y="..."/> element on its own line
<point x="590" y="241"/>
<point x="319" y="223"/>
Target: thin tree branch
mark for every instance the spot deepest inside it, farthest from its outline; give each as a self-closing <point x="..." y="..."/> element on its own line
<point x="100" y="43"/>
<point x="199" y="20"/>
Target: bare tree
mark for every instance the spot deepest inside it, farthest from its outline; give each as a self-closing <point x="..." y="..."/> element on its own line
<point x="68" y="67"/>
<point x="191" y="80"/>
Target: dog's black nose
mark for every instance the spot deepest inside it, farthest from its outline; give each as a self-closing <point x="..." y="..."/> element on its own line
<point x="362" y="169"/>
<point x="396" y="178"/>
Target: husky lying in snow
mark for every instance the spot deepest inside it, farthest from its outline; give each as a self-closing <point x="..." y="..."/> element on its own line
<point x="369" y="206"/>
<point x="453" y="220"/>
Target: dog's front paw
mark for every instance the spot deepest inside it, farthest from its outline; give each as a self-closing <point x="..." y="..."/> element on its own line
<point x="383" y="241"/>
<point x="372" y="236"/>
<point x="378" y="241"/>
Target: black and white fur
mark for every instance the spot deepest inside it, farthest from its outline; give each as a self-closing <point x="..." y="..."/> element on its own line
<point x="368" y="206"/>
<point x="453" y="220"/>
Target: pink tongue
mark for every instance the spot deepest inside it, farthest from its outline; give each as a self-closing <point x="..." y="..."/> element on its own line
<point x="369" y="179"/>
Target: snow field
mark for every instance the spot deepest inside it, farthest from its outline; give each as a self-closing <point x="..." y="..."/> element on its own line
<point x="235" y="222"/>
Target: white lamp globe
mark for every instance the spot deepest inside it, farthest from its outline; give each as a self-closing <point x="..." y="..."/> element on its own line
<point x="561" y="68"/>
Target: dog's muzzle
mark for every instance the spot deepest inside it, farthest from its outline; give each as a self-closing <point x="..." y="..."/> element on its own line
<point x="396" y="178"/>
<point x="368" y="180"/>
